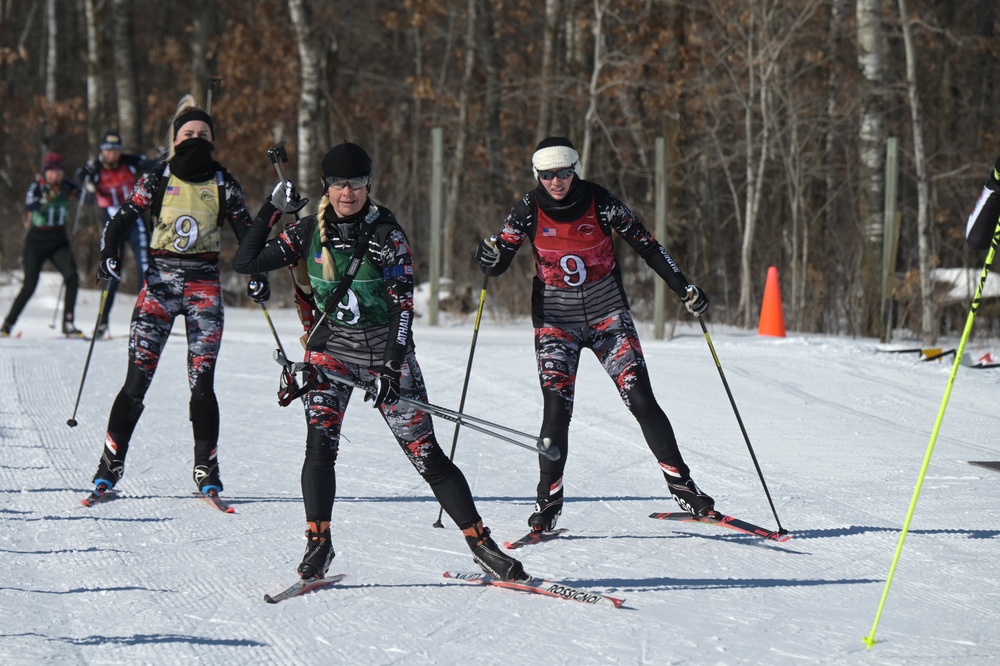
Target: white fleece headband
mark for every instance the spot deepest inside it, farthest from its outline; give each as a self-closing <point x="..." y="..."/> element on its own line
<point x="554" y="158"/>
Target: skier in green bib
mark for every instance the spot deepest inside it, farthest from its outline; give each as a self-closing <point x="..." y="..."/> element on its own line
<point x="361" y="329"/>
<point x="49" y="203"/>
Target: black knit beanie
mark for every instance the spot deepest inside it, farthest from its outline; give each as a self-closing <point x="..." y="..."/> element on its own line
<point x="348" y="160"/>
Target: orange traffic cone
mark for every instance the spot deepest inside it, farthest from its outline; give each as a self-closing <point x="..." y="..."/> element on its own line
<point x="772" y="318"/>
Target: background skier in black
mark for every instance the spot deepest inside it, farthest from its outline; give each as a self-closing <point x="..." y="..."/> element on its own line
<point x="49" y="203"/>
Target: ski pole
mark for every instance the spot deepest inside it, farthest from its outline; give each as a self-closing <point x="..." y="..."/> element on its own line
<point x="870" y="639"/>
<point x="465" y="385"/>
<point x="732" y="401"/>
<point x="214" y="86"/>
<point x="76" y="218"/>
<point x="274" y="332"/>
<point x="71" y="421"/>
<point x="55" y="310"/>
<point x="541" y="445"/>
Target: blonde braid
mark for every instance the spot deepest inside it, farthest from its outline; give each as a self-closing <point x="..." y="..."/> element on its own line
<point x="329" y="267"/>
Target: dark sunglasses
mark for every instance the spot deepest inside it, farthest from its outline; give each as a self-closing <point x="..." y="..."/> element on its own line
<point x="562" y="174"/>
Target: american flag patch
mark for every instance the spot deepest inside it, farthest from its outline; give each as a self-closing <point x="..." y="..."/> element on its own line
<point x="318" y="257"/>
<point x="548" y="231"/>
<point x="173" y="189"/>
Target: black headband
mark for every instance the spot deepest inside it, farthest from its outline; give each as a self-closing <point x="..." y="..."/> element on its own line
<point x="193" y="114"/>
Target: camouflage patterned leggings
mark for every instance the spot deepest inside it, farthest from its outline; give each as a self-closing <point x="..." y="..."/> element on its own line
<point x="615" y="342"/>
<point x="174" y="287"/>
<point x="413" y="430"/>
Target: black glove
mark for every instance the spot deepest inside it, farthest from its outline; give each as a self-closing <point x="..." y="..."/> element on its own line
<point x="487" y="254"/>
<point x="386" y="385"/>
<point x="88" y="172"/>
<point x="259" y="289"/>
<point x="108" y="269"/>
<point x="695" y="301"/>
<point x="286" y="199"/>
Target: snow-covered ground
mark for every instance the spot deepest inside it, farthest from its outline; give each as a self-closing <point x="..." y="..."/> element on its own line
<point x="840" y="432"/>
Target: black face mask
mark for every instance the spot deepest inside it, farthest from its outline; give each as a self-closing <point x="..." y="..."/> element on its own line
<point x="571" y="207"/>
<point x="192" y="160"/>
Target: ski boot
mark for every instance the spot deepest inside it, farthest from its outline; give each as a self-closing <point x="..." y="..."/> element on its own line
<point x="319" y="552"/>
<point x="5" y="329"/>
<point x="71" y="331"/>
<point x="547" y="512"/>
<point x="206" y="477"/>
<point x="110" y="471"/>
<point x="489" y="557"/>
<point x="690" y="497"/>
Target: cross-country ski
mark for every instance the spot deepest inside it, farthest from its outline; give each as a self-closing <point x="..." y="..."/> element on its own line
<point x="722" y="520"/>
<point x="300" y="587"/>
<point x="551" y="588"/>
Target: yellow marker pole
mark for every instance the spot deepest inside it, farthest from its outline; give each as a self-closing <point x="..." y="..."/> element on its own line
<point x="870" y="638"/>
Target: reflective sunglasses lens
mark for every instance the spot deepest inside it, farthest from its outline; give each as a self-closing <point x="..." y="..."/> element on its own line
<point x="562" y="174"/>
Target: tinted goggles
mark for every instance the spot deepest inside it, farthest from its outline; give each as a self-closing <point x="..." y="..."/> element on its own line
<point x="341" y="183"/>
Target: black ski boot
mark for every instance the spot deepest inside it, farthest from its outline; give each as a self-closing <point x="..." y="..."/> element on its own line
<point x="547" y="512"/>
<point x="690" y="498"/>
<point x="206" y="477"/>
<point x="490" y="558"/>
<point x="319" y="553"/>
<point x="110" y="471"/>
<point x="71" y="331"/>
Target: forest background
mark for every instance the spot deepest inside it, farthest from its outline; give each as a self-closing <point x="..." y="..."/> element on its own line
<point x="775" y="117"/>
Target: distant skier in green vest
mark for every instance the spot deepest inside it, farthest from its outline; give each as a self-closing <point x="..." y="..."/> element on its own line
<point x="48" y="203"/>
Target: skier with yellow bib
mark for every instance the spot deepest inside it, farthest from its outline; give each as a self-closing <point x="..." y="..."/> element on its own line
<point x="190" y="197"/>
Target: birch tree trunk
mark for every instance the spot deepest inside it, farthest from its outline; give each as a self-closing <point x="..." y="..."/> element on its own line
<point x="125" y="82"/>
<point x="927" y="322"/>
<point x="871" y="155"/>
<point x="591" y="117"/>
<point x="51" y="50"/>
<point x="95" y="81"/>
<point x="757" y="77"/>
<point x="546" y="86"/>
<point x="309" y="63"/>
<point x="458" y="161"/>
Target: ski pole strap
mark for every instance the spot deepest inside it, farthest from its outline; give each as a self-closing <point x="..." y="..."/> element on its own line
<point x="289" y="389"/>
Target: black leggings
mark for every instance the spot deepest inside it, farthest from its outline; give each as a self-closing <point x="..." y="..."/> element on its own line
<point x="43" y="245"/>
